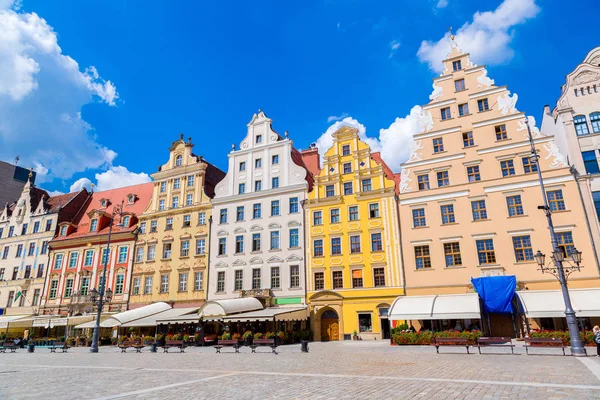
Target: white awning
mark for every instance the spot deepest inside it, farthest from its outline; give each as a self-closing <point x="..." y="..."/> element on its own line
<point x="184" y="319"/>
<point x="447" y="306"/>
<point x="152" y="320"/>
<point x="220" y="308"/>
<point x="128" y="316"/>
<point x="5" y="320"/>
<point x="268" y="314"/>
<point x="80" y="319"/>
<point x="550" y="303"/>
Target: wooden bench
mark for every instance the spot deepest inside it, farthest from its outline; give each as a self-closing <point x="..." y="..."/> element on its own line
<point x="264" y="342"/>
<point x="12" y="346"/>
<point x="60" y="346"/>
<point x="222" y="343"/>
<point x="495" y="342"/>
<point x="544" y="342"/>
<point x="450" y="342"/>
<point x="131" y="343"/>
<point x="174" y="343"/>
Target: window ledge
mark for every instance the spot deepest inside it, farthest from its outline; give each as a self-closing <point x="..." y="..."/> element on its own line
<point x="455" y="267"/>
<point x="423" y="269"/>
<point x="481" y="220"/>
<point x="420" y="227"/>
<point x="449" y="223"/>
<point x="165" y="259"/>
<point x="525" y="262"/>
<point x="200" y="255"/>
<point x="503" y="140"/>
<point x="518" y="216"/>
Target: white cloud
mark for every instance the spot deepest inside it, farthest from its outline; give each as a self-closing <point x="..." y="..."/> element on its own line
<point x="332" y="118"/>
<point x="394" y="44"/>
<point x="442" y="4"/>
<point x="42" y="92"/>
<point x="393" y="142"/>
<point x="487" y="37"/>
<point x="54" y="193"/>
<point x="115" y="177"/>
<point x="79" y="184"/>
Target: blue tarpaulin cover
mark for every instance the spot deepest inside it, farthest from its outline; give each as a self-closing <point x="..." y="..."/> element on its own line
<point x="496" y="292"/>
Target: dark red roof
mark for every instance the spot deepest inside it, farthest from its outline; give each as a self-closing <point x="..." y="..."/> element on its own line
<point x="387" y="170"/>
<point x="299" y="161"/>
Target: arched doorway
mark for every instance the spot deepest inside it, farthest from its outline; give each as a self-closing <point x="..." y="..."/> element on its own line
<point x="330" y="326"/>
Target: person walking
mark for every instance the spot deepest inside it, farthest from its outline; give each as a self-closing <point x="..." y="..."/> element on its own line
<point x="597" y="338"/>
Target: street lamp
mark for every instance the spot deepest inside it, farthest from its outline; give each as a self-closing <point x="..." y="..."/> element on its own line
<point x="556" y="266"/>
<point x="103" y="295"/>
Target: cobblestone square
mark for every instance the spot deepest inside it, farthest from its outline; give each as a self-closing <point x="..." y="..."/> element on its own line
<point x="347" y="370"/>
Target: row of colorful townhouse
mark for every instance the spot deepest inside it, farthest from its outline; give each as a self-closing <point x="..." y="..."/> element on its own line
<point x="337" y="240"/>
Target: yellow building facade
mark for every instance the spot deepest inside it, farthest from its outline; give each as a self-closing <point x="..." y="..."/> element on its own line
<point x="353" y="257"/>
<point x="171" y="253"/>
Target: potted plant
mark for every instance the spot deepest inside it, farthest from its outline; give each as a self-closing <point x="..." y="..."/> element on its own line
<point x="236" y="336"/>
<point x="280" y="337"/>
<point x="186" y="338"/>
<point x="258" y="335"/>
<point x="354" y="335"/>
<point x="226" y="336"/>
<point x="148" y="340"/>
<point x="248" y="338"/>
<point x="270" y="335"/>
<point x="160" y="339"/>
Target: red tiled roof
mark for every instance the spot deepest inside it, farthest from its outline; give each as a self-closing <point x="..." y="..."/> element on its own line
<point x="311" y="160"/>
<point x="60" y="201"/>
<point x="387" y="170"/>
<point x="298" y="159"/>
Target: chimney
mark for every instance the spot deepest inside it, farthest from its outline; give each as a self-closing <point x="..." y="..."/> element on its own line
<point x="311" y="159"/>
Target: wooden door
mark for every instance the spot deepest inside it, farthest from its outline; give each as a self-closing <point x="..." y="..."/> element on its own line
<point x="329" y="329"/>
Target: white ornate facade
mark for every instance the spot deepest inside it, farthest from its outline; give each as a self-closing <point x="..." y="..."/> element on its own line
<point x="257" y="234"/>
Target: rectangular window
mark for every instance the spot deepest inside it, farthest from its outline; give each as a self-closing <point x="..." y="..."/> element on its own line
<point x="515" y="207"/>
<point x="293" y="205"/>
<point x="239" y="244"/>
<point x="556" y="202"/>
<point x="468" y="139"/>
<point x="257" y="210"/>
<point x="11" y="231"/>
<point x="164" y="283"/>
<point x="36" y="297"/>
<point x="528" y="166"/>
<point x="148" y="285"/>
<point x="84" y="286"/>
<point x="183" y="281"/>
<point x="15" y="273"/>
<point x="73" y="259"/>
<point x="347" y="168"/>
<point x="222" y="246"/>
<point x="122" y="255"/>
<point x="438" y="145"/>
<point x="31" y="250"/>
<point x="239" y="215"/>
<point x="36" y="227"/>
<point x="366" y="185"/>
<point x="482" y="105"/>
<point x="523" y="249"/>
<point x="334" y="215"/>
<point x="169" y="223"/>
<point x="200" y="247"/>
<point x="275" y="240"/>
<point x="185" y="248"/>
<point x="422" y="257"/>
<point x="241" y="188"/>
<point x="142" y="228"/>
<point x="419" y="217"/>
<point x="166" y="251"/>
<point x="346" y="150"/>
<point x="443" y="179"/>
<point x="198" y="278"/>
<point x="119" y="284"/>
<point x="242" y="166"/>
<point x="153" y="226"/>
<point x="445" y="112"/>
<point x="274" y="208"/>
<point x="275" y="159"/>
<point x="161" y="204"/>
<point x="338" y="280"/>
<point x="353" y="213"/>
<point x="275" y="182"/>
<point x="19" y="250"/>
<point x="447" y="214"/>
<point x="374" y="210"/>
<point x="357" y="278"/>
<point x="187" y="220"/>
<point x="336" y="246"/>
<point x="501" y="132"/>
<point x="355" y="244"/>
<point x="348" y="188"/>
<point x="93" y="225"/>
<point x="329" y="191"/>
<point x="317" y="217"/>
<point x="423" y="181"/>
<point x="58" y="261"/>
<point x="485" y="251"/>
<point x="473" y="173"/>
<point x="202" y="218"/>
<point x="238" y="283"/>
<point x="136" y="286"/>
<point x="507" y="167"/>
<point x="257" y="186"/>
<point x="376" y="243"/>
<point x="456" y="65"/>
<point x="256" y="277"/>
<point x="564" y="241"/>
<point x="463" y="109"/>
<point x="190" y="180"/>
<point x="53" y="289"/>
<point x="294" y="276"/>
<point x="176" y="183"/>
<point x="27" y="272"/>
<point x="319" y="280"/>
<point x="223" y="216"/>
<point x="479" y="210"/>
<point x="318" y="248"/>
<point x="163" y="187"/>
<point x="379" y="277"/>
<point x="5" y="252"/>
<point x="189" y="199"/>
<point x="256" y="242"/>
<point x="275" y="278"/>
<point x="294" y="238"/>
<point x="459" y="85"/>
<point x="590" y="161"/>
<point x="452" y="254"/>
<point x="151" y="253"/>
<point x="48" y="226"/>
<point x="365" y="323"/>
<point x="258" y="163"/>
<point x="24" y="229"/>
<point x="1" y="274"/>
<point x="175" y="203"/>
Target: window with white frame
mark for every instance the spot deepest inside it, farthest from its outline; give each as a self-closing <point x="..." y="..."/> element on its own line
<point x="119" y="284"/>
<point x="198" y="280"/>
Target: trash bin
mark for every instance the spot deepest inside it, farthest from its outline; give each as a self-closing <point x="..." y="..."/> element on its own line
<point x="30" y="347"/>
<point x="304" y="346"/>
<point x="153" y="347"/>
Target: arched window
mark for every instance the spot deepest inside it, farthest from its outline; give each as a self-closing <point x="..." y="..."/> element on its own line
<point x="179" y="160"/>
<point x="595" y="120"/>
<point x="581" y="126"/>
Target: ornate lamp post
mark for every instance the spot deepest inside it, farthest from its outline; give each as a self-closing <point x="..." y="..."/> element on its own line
<point x="102" y="294"/>
<point x="556" y="266"/>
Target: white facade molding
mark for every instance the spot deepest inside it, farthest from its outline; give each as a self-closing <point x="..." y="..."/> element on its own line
<point x="532" y="183"/>
<point x="437" y="197"/>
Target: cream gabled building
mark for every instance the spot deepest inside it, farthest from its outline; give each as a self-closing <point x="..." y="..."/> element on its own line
<point x="469" y="196"/>
<point x="171" y="252"/>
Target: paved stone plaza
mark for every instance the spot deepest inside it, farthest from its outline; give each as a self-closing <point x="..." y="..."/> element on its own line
<point x="350" y="370"/>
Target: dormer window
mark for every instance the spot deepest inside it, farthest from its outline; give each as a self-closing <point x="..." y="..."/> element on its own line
<point x="104" y="203"/>
<point x="93" y="225"/>
<point x="258" y="138"/>
<point x="63" y="230"/>
<point x="179" y="161"/>
<point x="131" y="198"/>
<point x="126" y="220"/>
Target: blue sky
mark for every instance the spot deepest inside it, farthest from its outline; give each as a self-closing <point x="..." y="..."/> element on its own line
<point x="203" y="69"/>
